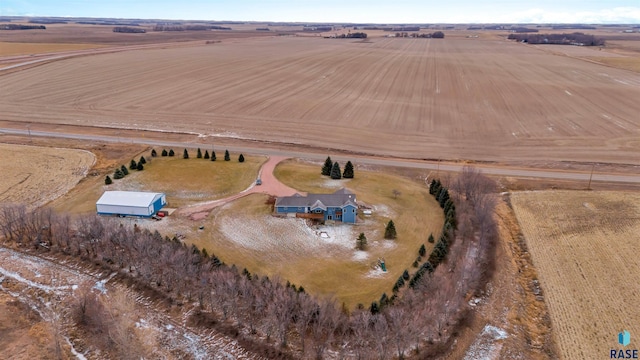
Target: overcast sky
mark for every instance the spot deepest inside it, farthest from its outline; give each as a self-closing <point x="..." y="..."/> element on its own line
<point x="371" y="11"/>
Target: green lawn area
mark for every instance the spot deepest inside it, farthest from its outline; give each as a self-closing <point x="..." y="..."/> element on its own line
<point x="335" y="270"/>
<point x="184" y="181"/>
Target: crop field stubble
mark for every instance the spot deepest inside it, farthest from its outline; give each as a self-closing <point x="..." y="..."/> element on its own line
<point x="481" y="99"/>
<point x="33" y="176"/>
<point x="583" y="245"/>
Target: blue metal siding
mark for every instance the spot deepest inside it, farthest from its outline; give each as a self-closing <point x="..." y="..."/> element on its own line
<point x="289" y="209"/>
<point x="349" y="214"/>
<point x="157" y="205"/>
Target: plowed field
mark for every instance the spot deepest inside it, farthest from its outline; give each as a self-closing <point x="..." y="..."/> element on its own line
<point x="423" y="98"/>
<point x="584" y="247"/>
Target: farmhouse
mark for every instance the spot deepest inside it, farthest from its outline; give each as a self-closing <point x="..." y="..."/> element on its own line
<point x="130" y="203"/>
<point x="340" y="206"/>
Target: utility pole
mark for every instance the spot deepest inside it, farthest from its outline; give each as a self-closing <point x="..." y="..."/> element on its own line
<point x="591" y="176"/>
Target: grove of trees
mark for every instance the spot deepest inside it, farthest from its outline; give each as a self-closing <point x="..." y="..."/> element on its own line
<point x="282" y="320"/>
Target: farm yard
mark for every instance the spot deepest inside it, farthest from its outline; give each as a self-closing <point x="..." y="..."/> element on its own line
<point x="185" y="181"/>
<point x="583" y="245"/>
<point x="38" y="175"/>
<point x="245" y="233"/>
<point x="363" y="94"/>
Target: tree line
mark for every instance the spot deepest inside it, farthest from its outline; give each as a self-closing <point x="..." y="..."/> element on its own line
<point x="162" y="27"/>
<point x="129" y="30"/>
<point x="576" y="38"/>
<point x="281" y="319"/>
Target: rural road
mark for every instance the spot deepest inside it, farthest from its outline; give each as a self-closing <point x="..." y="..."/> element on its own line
<point x="516" y="172"/>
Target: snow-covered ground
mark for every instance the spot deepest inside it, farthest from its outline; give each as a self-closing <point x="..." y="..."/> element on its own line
<point x="285" y="234"/>
<point x="46" y="285"/>
<point x="488" y="345"/>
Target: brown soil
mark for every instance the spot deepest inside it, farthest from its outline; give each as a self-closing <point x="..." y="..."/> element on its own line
<point x="300" y="90"/>
<point x="23" y="333"/>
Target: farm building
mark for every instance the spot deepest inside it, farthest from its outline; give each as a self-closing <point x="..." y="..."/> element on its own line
<point x="130" y="203"/>
<point x="340" y="206"/>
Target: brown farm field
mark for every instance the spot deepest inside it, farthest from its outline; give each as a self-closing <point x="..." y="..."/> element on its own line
<point x="33" y="176"/>
<point x="455" y="98"/>
<point x="584" y="247"/>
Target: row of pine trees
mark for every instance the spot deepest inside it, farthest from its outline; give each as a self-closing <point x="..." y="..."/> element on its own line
<point x="332" y="169"/>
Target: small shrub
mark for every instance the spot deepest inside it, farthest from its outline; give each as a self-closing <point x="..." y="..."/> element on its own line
<point x="107" y="180"/>
<point x="241" y="158"/>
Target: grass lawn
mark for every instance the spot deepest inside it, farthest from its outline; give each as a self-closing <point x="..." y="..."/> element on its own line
<point x="244" y="233"/>
<point x="185" y="181"/>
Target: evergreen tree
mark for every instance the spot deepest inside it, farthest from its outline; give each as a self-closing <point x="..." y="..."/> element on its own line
<point x="390" y="230"/>
<point x="226" y="155"/>
<point x="335" y="171"/>
<point x="107" y="180"/>
<point x="213" y="155"/>
<point x="405" y="275"/>
<point x="142" y="160"/>
<point x="199" y="155"/>
<point x="118" y="174"/>
<point x="164" y="152"/>
<point x="415" y="264"/>
<point x="432" y="186"/>
<point x="361" y="242"/>
<point x="171" y="153"/>
<point x="133" y="165"/>
<point x="124" y="170"/>
<point x="348" y="171"/>
<point x="206" y="154"/>
<point x="205" y="254"/>
<point x="140" y="167"/>
<point x="431" y="239"/>
<point x="374" y="309"/>
<point x="326" y="168"/>
<point x="185" y="154"/>
<point x="241" y="158"/>
<point x="384" y="300"/>
<point x="422" y="251"/>
<point x="154" y="153"/>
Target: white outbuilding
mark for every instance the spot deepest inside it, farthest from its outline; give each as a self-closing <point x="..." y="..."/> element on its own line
<point x="130" y="203"/>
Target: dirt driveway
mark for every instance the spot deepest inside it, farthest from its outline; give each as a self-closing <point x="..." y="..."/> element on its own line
<point x="270" y="185"/>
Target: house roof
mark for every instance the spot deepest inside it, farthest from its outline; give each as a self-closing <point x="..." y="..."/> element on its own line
<point x="340" y="198"/>
<point x="128" y="198"/>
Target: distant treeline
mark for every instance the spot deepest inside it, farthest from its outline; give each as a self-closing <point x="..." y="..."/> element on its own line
<point x="109" y="23"/>
<point x="188" y="27"/>
<point x="263" y="29"/>
<point x="22" y="27"/>
<point x="573" y="26"/>
<point x="355" y="35"/>
<point x="129" y="30"/>
<point x="47" y="21"/>
<point x="435" y="35"/>
<point x="518" y="29"/>
<point x="559" y="39"/>
<point x="317" y="28"/>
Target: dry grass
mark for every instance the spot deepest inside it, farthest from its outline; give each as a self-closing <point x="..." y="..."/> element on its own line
<point x="583" y="245"/>
<point x="449" y="98"/>
<point x="33" y="176"/>
<point x="12" y="48"/>
<point x="336" y="268"/>
<point x="184" y="181"/>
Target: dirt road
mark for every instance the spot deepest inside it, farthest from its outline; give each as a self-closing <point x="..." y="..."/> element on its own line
<point x="499" y="170"/>
<point x="270" y="185"/>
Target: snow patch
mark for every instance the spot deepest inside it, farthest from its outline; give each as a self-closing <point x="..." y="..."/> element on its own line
<point x="376" y="273"/>
<point x="487" y="345"/>
<point x="360" y="256"/>
<point x="19" y="278"/>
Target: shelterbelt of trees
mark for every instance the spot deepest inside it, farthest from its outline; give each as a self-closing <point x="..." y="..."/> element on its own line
<point x="272" y="316"/>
